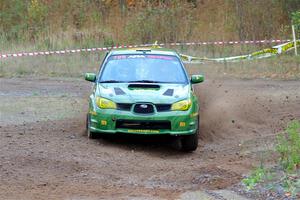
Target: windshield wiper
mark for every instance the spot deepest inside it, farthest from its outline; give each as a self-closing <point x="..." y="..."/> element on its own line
<point x="111" y="81"/>
<point x="145" y="81"/>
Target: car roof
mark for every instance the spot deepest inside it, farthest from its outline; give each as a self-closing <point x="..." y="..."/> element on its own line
<point x="144" y="50"/>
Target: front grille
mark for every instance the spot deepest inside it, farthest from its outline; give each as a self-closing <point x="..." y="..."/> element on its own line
<point x="124" y="106"/>
<point x="143" y="108"/>
<point x="138" y="124"/>
<point x="159" y="107"/>
<point x="163" y="107"/>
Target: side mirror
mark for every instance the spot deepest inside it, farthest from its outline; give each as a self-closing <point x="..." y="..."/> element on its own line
<point x="197" y="79"/>
<point x="90" y="77"/>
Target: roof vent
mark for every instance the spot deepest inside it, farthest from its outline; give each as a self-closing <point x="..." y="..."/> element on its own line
<point x="143" y="50"/>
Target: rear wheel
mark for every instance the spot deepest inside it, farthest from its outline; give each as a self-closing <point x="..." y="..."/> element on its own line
<point x="90" y="134"/>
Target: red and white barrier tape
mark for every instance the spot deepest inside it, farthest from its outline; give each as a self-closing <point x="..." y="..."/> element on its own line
<point x="42" y="53"/>
<point x="230" y="42"/>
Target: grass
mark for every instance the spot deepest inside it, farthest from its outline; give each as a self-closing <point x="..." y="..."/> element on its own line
<point x="75" y="65"/>
<point x="71" y="65"/>
<point x="35" y="25"/>
<point x="287" y="174"/>
<point x="256" y="176"/>
<point x="279" y="67"/>
<point x="288" y="147"/>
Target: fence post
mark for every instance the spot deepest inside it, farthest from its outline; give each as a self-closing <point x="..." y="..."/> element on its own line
<point x="294" y="38"/>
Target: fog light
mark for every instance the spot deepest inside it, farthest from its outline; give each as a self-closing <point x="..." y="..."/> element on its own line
<point x="103" y="122"/>
<point x="181" y="124"/>
<point x="93" y="112"/>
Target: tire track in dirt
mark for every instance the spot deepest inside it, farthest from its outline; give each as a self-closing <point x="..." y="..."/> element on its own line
<point x="53" y="159"/>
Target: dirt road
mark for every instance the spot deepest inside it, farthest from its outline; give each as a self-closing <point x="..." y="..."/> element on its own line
<point x="46" y="155"/>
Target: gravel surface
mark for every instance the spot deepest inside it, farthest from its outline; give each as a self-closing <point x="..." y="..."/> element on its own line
<point x="45" y="153"/>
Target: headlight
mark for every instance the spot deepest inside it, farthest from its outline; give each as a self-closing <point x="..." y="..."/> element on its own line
<point x="182" y="105"/>
<point x="105" y="103"/>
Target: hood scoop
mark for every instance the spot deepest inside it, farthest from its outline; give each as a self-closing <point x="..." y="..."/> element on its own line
<point x="143" y="86"/>
<point x="168" y="92"/>
<point x="119" y="91"/>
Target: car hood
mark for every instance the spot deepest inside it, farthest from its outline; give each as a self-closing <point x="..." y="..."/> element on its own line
<point x="143" y="92"/>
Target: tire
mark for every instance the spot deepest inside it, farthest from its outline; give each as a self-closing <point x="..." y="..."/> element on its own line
<point x="90" y="134"/>
<point x="176" y="143"/>
<point x="190" y="142"/>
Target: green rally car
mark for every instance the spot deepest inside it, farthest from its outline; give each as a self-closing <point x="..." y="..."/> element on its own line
<point x="144" y="91"/>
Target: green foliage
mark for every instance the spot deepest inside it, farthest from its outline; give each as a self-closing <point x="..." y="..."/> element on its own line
<point x="37" y="13"/>
<point x="291" y="184"/>
<point x="290" y="6"/>
<point x="13" y="19"/>
<point x="296" y="22"/>
<point x="296" y="18"/>
<point x="288" y="146"/>
<point x="69" y="23"/>
<point x="108" y="42"/>
<point x="159" y="23"/>
<point x="256" y="176"/>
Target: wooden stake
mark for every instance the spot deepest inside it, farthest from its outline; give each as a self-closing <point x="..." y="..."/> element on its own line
<point x="294" y="38"/>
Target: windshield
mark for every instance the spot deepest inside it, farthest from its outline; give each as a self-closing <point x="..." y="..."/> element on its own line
<point x="143" y="68"/>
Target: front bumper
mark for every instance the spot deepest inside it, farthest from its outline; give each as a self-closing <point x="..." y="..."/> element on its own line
<point x="181" y="122"/>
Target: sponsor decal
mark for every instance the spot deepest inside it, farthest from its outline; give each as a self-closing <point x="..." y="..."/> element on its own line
<point x="119" y="57"/>
<point x="136" y="56"/>
<point x="142" y="131"/>
<point x="161" y="57"/>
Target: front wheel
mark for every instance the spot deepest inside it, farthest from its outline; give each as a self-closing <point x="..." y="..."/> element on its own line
<point x="190" y="142"/>
<point x="90" y="134"/>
